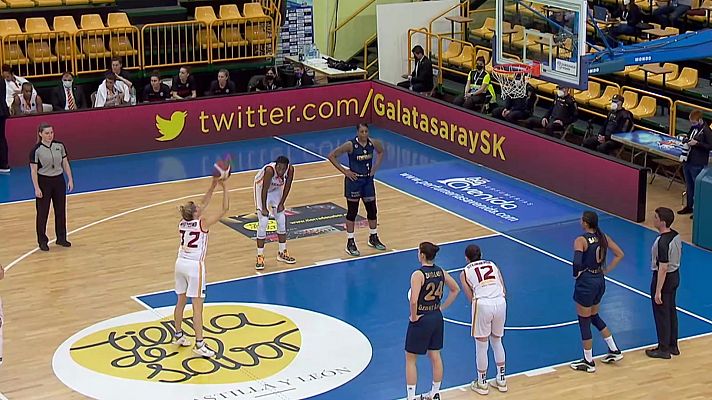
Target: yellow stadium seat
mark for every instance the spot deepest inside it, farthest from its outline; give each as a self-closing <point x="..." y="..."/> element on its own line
<point x="36" y="25"/>
<point x="466" y="58"/>
<point x="91" y="21"/>
<point x="630" y="100"/>
<point x="48" y="3"/>
<point x="103" y="1"/>
<point x="64" y="47"/>
<point x="205" y="14"/>
<point x="65" y="23"/>
<point x="256" y="34"/>
<point x="487" y="28"/>
<point x="700" y="18"/>
<point x="606" y="98"/>
<point x="230" y="11"/>
<point x="657" y="79"/>
<point x="536" y="83"/>
<point x="118" y="20"/>
<point x="484" y="54"/>
<point x="3" y="5"/>
<point x="253" y="10"/>
<point x="548" y="88"/>
<point x="688" y="79"/>
<point x="94" y="46"/>
<point x="646" y="108"/>
<point x="530" y="40"/>
<point x="20" y="3"/>
<point x="454" y="49"/>
<point x="628" y="70"/>
<point x="592" y="92"/>
<point x="38" y="49"/>
<point x="76" y="2"/>
<point x="12" y="52"/>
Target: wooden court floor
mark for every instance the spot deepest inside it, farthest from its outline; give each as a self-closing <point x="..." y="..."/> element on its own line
<point x="124" y="244"/>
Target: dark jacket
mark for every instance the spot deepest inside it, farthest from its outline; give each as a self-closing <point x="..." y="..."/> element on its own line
<point x="215" y="89"/>
<point x="631" y="14"/>
<point x="423" y="74"/>
<point x="304" y="80"/>
<point x="563" y="109"/>
<point x="700" y="153"/>
<point x="618" y="121"/>
<point x="4" y="110"/>
<point x="58" y="98"/>
<point x="525" y="104"/>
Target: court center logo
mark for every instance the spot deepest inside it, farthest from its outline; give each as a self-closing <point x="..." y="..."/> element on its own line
<point x="262" y="350"/>
<point x="170" y="129"/>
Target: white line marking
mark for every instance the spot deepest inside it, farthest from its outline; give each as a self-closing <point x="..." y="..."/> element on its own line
<point x="516" y="328"/>
<point x="304" y="149"/>
<point x="22" y="257"/>
<point x="2" y="397"/>
<point x="332" y="261"/>
<point x="149" y="184"/>
<point x="539" y="371"/>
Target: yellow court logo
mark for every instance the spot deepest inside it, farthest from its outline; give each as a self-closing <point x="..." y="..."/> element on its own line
<point x="252" y="226"/>
<point x="170" y="129"/>
<point x="251" y="344"/>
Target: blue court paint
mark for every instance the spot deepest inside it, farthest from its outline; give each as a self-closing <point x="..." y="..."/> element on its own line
<point x="370" y="294"/>
<point x="158" y="166"/>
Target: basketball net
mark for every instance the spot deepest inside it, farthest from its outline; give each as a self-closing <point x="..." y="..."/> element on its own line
<point x="513" y="78"/>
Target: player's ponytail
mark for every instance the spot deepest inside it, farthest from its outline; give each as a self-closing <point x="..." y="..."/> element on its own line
<point x="187" y="211"/>
<point x="429" y="250"/>
<point x="591" y="219"/>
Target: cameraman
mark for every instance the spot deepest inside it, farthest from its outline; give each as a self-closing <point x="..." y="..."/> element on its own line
<point x="699" y="140"/>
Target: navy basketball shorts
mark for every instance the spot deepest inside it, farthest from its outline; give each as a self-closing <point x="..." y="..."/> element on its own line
<point x="362" y="187"/>
<point x="425" y="334"/>
<point x="589" y="289"/>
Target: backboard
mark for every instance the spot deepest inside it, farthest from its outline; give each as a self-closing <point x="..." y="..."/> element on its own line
<point x="549" y="32"/>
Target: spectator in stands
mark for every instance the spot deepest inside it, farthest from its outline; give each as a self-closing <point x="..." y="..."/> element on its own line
<point x="630" y="16"/>
<point x="517" y="109"/>
<point x="68" y="96"/>
<point x="13" y="84"/>
<point x="28" y="102"/>
<point x="184" y="86"/>
<point x="619" y="120"/>
<point x="269" y="82"/>
<point x="156" y="90"/>
<point x="301" y="77"/>
<point x="478" y="89"/>
<point x="668" y="15"/>
<point x="122" y="75"/>
<point x="223" y="85"/>
<point x="421" y="79"/>
<point x="111" y="92"/>
<point x="563" y="112"/>
<point x="700" y="143"/>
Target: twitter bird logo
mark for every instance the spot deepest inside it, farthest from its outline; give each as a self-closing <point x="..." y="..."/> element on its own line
<point x="170" y="129"/>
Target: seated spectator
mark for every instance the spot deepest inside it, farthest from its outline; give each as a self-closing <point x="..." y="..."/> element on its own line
<point x="28" y="102"/>
<point x="478" y="89"/>
<point x="121" y="74"/>
<point x="563" y="112"/>
<point x="184" y="86"/>
<point x="156" y="90"/>
<point x="68" y="96"/>
<point x="421" y="79"/>
<point x="619" y="120"/>
<point x="630" y="16"/>
<point x="112" y="93"/>
<point x="517" y="109"/>
<point x="669" y="14"/>
<point x="301" y="77"/>
<point x="223" y="85"/>
<point x="13" y="84"/>
<point x="269" y="82"/>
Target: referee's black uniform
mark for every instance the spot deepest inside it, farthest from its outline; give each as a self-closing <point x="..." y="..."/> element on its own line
<point x="667" y="249"/>
<point x="50" y="178"/>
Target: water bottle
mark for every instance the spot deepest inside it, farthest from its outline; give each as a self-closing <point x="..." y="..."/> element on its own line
<point x="318" y="54"/>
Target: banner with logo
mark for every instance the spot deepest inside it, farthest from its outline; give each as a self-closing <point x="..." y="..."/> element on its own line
<point x="566" y="169"/>
<point x="159" y="126"/>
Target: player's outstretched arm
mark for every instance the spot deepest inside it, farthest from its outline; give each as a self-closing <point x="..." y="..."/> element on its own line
<point x="334" y="158"/>
<point x="380" y="152"/>
<point x="454" y="291"/>
<point x="212" y="219"/>
<point x="205" y="201"/>
<point x="617" y="254"/>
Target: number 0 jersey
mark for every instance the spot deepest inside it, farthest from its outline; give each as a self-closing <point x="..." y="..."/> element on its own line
<point x="485" y="280"/>
<point x="431" y="293"/>
<point x="193" y="240"/>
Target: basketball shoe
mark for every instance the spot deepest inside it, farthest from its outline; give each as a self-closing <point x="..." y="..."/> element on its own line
<point x="260" y="264"/>
<point x="203" y="351"/>
<point x="181" y="341"/>
<point x="612" y="356"/>
<point x="479" y="387"/>
<point x="283" y="256"/>
<point x="374" y="242"/>
<point x="351" y="248"/>
<point x="583" y="365"/>
<point x="499" y="385"/>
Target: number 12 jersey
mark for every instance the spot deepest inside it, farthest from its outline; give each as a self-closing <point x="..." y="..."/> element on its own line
<point x="485" y="279"/>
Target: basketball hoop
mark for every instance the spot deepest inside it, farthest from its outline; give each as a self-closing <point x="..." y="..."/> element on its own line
<point x="513" y="78"/>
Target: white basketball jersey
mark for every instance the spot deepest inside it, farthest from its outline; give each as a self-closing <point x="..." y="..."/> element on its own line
<point x="485" y="279"/>
<point x="277" y="182"/>
<point x="193" y="240"/>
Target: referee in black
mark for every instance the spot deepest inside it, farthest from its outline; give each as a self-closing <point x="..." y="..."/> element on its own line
<point x="667" y="252"/>
<point x="48" y="164"/>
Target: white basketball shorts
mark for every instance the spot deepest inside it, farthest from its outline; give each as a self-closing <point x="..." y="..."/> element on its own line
<point x="190" y="278"/>
<point x="488" y="317"/>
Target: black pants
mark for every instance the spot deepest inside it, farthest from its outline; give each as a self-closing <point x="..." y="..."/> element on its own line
<point x="514" y="116"/>
<point x="417" y="87"/>
<point x="54" y="189"/>
<point x="4" y="162"/>
<point x="666" y="314"/>
<point x="607" y="147"/>
<point x="470" y="102"/>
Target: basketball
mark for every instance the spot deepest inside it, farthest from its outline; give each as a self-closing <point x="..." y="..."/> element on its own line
<point x="221" y="169"/>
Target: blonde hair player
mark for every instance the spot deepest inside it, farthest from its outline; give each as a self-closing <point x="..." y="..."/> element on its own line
<point x="484" y="286"/>
<point x="269" y="199"/>
<point x="2" y="316"/>
<point x="190" y="265"/>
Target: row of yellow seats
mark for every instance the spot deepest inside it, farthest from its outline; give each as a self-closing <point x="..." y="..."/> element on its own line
<point x="680" y="80"/>
<point x="516" y="39"/>
<point x="254" y="33"/>
<point x="50" y="3"/>
<point x="463" y="55"/>
<point x="63" y="24"/>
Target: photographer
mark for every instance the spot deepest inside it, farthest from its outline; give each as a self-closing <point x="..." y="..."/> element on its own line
<point x="699" y="143"/>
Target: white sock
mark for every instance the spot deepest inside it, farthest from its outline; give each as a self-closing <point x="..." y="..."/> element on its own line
<point x="373" y="231"/>
<point x="501" y="376"/>
<point x="588" y="355"/>
<point x="435" y="389"/>
<point x="482" y="361"/>
<point x="410" y="389"/>
<point x="349" y="235"/>
<point x="260" y="251"/>
<point x="282" y="247"/>
<point x="611" y="343"/>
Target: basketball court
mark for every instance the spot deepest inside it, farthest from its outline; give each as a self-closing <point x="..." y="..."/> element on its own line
<point x="93" y="320"/>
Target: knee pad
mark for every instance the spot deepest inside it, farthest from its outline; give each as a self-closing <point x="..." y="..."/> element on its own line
<point x="585" y="326"/>
<point x="371" y="210"/>
<point x="281" y="223"/>
<point x="352" y="210"/>
<point x="598" y="322"/>
<point x="262" y="222"/>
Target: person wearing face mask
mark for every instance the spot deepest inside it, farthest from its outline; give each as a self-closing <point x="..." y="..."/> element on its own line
<point x="223" y="85"/>
<point x="301" y="77"/>
<point x="518" y="109"/>
<point x="478" y="89"/>
<point x="269" y="82"/>
<point x="421" y="79"/>
<point x="700" y="142"/>
<point x="630" y="16"/>
<point x="67" y="96"/>
<point x="619" y="120"/>
<point x="563" y="112"/>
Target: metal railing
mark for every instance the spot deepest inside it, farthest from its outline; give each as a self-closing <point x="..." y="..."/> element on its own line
<point x="38" y="55"/>
<point x="96" y="47"/>
<point x="657" y="96"/>
<point x="242" y="39"/>
<point x="366" y="64"/>
<point x="429" y="38"/>
<point x="176" y="43"/>
<point x="682" y="103"/>
<point x="331" y="44"/>
<point x="463" y="10"/>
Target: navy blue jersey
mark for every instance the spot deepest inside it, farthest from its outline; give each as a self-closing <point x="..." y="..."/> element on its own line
<point x="361" y="158"/>
<point x="590" y="257"/>
<point x="431" y="293"/>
